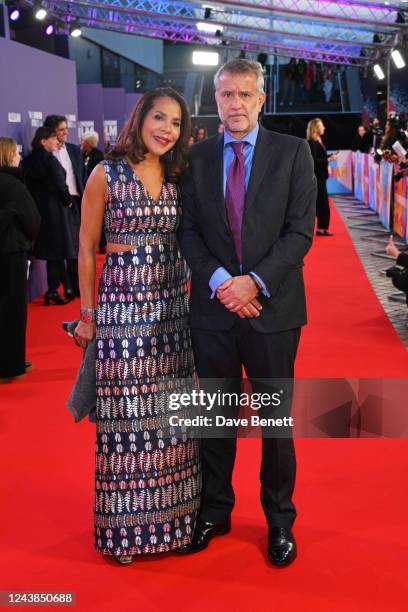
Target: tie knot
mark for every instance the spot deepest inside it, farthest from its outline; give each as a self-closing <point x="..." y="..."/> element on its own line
<point x="237" y="148"/>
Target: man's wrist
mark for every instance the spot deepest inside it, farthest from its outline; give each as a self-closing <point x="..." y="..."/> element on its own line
<point x="256" y="283"/>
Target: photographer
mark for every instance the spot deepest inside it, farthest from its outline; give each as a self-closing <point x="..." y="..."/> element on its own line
<point x="374" y="134"/>
<point x="398" y="276"/>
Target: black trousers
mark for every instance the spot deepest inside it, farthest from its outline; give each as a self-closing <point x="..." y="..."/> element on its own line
<point x="220" y="355"/>
<point x="13" y="314"/>
<point x="322" y="205"/>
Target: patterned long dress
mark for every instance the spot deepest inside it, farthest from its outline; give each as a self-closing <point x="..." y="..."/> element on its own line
<point x="147" y="484"/>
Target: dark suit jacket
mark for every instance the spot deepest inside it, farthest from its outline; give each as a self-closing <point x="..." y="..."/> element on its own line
<point x="321" y="165"/>
<point x="277" y="229"/>
<point x="75" y="155"/>
<point x="90" y="162"/>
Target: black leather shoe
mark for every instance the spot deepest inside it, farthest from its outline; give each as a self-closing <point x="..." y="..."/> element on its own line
<point x="281" y="546"/>
<point x="52" y="297"/>
<point x="204" y="532"/>
<point x="69" y="295"/>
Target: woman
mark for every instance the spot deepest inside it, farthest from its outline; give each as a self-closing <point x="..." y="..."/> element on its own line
<point x="59" y="234"/>
<point x="200" y="133"/>
<point x="315" y="131"/>
<point x="19" y="226"/>
<point x="147" y="485"/>
<point x="361" y="140"/>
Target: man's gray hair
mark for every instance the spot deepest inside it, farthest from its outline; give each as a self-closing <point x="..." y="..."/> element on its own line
<point x="91" y="137"/>
<point x="242" y="66"/>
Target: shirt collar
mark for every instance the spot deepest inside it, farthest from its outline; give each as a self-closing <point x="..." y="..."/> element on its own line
<point x="250" y="138"/>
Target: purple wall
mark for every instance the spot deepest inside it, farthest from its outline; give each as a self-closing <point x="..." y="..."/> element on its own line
<point x="114" y="101"/>
<point x="131" y="101"/>
<point x="33" y="80"/>
<point x="91" y="107"/>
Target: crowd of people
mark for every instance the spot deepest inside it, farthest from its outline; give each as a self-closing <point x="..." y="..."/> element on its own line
<point x="388" y="142"/>
<point x="307" y="82"/>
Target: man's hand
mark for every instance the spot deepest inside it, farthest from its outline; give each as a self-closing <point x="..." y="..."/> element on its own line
<point x="237" y="293"/>
<point x="251" y="310"/>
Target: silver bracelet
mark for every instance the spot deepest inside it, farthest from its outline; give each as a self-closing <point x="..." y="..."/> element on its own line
<point x="87" y="315"/>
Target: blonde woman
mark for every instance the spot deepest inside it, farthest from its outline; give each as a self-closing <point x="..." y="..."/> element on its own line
<point x="315" y="131"/>
<point x="19" y="226"/>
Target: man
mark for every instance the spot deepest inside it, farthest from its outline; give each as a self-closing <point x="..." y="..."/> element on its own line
<point x="70" y="157"/>
<point x="248" y="217"/>
<point x="92" y="155"/>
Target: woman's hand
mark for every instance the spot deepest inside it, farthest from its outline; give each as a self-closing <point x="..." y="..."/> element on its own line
<point x="84" y="333"/>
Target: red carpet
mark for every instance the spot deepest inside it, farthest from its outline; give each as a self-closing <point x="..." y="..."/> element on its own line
<point x="351" y="495"/>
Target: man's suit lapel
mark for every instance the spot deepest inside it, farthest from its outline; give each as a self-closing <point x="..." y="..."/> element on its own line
<point x="214" y="177"/>
<point x="262" y="160"/>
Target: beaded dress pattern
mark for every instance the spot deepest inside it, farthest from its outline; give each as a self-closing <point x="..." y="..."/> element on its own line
<point x="147" y="482"/>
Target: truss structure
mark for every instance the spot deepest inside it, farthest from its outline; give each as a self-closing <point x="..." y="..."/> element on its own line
<point x="341" y="31"/>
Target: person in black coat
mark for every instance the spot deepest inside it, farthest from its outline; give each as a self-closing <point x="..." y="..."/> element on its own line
<point x="91" y="154"/>
<point x="69" y="156"/>
<point x="91" y="158"/>
<point x="361" y="141"/>
<point x="19" y="226"/>
<point x="315" y="131"/>
<point x="59" y="234"/>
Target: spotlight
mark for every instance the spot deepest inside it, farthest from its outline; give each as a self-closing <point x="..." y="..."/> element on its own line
<point x="40" y="12"/>
<point x="14" y="14"/>
<point x="207" y="13"/>
<point x="205" y="58"/>
<point x="397" y="59"/>
<point x="75" y="31"/>
<point x="379" y="73"/>
<point x="50" y="29"/>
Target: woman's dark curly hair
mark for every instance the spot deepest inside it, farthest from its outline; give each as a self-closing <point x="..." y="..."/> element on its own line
<point x="130" y="142"/>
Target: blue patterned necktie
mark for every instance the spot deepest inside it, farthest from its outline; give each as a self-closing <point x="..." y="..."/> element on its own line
<point x="235" y="197"/>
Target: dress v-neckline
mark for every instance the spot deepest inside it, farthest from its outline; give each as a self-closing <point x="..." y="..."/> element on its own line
<point x="145" y="189"/>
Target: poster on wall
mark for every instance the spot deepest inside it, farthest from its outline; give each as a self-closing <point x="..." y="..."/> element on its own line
<point x="36" y="118"/>
<point x="400" y="221"/>
<point x="110" y="127"/>
<point x="71" y="121"/>
<point x="14" y="117"/>
<point x="85" y="126"/>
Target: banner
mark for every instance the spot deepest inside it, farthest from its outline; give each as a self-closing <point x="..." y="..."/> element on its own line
<point x="400" y="221"/>
<point x="374" y="184"/>
<point x="341" y="174"/>
<point x="358" y="176"/>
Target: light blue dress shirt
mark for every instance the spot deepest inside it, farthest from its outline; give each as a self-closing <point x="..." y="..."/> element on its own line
<point x="221" y="274"/>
